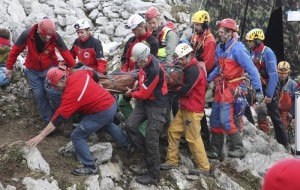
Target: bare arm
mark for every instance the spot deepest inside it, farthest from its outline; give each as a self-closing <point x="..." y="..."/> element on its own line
<point x="37" y="139"/>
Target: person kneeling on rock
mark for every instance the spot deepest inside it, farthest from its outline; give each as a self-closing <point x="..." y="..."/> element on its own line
<point x="84" y="95"/>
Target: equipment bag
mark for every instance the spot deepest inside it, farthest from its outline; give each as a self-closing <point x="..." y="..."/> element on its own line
<point x="240" y="101"/>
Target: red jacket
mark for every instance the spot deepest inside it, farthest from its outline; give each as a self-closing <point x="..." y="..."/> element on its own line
<point x="152" y="84"/>
<point x="204" y="46"/>
<point x="82" y="94"/>
<point x="35" y="60"/>
<point x="192" y="92"/>
<point x="127" y="63"/>
<point x="90" y="53"/>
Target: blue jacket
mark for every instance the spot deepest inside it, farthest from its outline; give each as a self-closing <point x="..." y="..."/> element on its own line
<point x="239" y="54"/>
<point x="265" y="61"/>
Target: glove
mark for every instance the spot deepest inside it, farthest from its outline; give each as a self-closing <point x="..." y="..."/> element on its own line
<point x="259" y="97"/>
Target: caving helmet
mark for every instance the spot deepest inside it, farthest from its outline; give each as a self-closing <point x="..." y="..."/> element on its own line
<point x="170" y="25"/>
<point x="151" y="13"/>
<point x="255" y="34"/>
<point x="201" y="17"/>
<point x="54" y="75"/>
<point x="46" y="27"/>
<point x="283" y="67"/>
<point x="134" y="21"/>
<point x="182" y="50"/>
<point x="228" y="23"/>
<point x="82" y="24"/>
<point x="140" y="52"/>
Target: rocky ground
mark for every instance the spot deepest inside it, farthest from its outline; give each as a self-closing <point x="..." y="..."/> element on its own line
<point x="19" y="121"/>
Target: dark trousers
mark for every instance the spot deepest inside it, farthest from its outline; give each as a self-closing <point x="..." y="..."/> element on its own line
<point x="149" y="143"/>
<point x="248" y="114"/>
<point x="204" y="126"/>
<point x="280" y="133"/>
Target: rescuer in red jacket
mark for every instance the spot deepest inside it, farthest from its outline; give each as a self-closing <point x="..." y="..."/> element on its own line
<point x="82" y="94"/>
<point x="41" y="41"/>
<point x="151" y="106"/>
<point x="88" y="49"/>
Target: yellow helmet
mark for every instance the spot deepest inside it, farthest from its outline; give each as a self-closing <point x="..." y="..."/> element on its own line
<point x="283" y="67"/>
<point x="201" y="17"/>
<point x="255" y="34"/>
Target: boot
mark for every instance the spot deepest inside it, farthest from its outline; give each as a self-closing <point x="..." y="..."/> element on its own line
<point x="238" y="147"/>
<point x="217" y="141"/>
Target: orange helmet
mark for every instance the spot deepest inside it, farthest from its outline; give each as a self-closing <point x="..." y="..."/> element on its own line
<point x="170" y="25"/>
<point x="151" y="13"/>
<point x="46" y="27"/>
<point x="283" y="67"/>
<point x="54" y="75"/>
<point x="228" y="23"/>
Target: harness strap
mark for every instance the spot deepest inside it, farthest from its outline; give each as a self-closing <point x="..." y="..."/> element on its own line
<point x="237" y="79"/>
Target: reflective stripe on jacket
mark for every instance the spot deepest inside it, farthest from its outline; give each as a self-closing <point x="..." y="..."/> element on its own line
<point x="83" y="95"/>
<point x="152" y="84"/>
<point x="162" y="42"/>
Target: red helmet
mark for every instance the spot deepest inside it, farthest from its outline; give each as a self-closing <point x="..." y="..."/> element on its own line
<point x="228" y="23"/>
<point x="46" y="27"/>
<point x="54" y="75"/>
<point x="151" y="13"/>
<point x="170" y="25"/>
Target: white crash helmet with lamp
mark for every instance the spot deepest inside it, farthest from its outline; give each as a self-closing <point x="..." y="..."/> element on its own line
<point x="82" y="24"/>
<point x="134" y="21"/>
<point x="182" y="50"/>
<point x="140" y="52"/>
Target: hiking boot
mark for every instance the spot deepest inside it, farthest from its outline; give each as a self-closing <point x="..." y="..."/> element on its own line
<point x="198" y="171"/>
<point x="238" y="147"/>
<point x="85" y="171"/>
<point x="139" y="169"/>
<point x="167" y="166"/>
<point x="147" y="180"/>
<point x="216" y="149"/>
<point x="216" y="156"/>
<point x="289" y="149"/>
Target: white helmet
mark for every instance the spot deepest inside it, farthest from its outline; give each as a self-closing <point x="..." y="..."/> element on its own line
<point x="182" y="50"/>
<point x="82" y="24"/>
<point x="140" y="52"/>
<point x="134" y="21"/>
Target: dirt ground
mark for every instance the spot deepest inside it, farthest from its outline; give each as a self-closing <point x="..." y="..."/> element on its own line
<point x="16" y="131"/>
